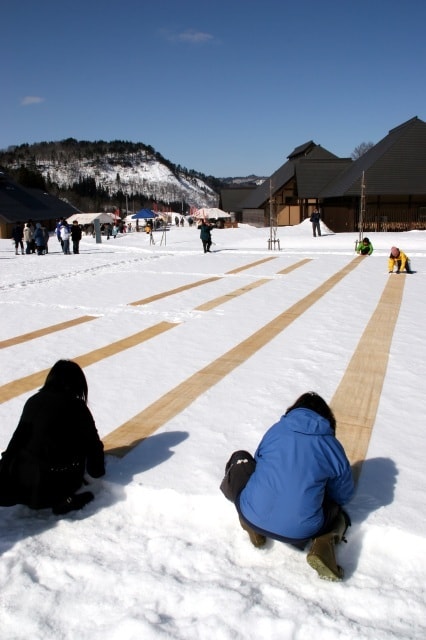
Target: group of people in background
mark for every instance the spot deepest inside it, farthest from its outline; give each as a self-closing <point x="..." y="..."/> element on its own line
<point x="66" y="233"/>
<point x="35" y="236"/>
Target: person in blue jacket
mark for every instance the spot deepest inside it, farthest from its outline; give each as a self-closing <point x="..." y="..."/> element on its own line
<point x="294" y="487"/>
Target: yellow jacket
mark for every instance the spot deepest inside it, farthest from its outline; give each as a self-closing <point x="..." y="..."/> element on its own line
<point x="402" y="259"/>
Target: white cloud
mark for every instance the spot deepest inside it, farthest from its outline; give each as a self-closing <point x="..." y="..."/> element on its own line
<point x="191" y="36"/>
<point x="31" y="100"/>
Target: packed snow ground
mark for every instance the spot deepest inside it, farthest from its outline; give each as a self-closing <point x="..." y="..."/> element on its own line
<point x="160" y="553"/>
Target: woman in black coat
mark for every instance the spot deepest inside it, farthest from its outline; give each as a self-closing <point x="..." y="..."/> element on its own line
<point x="206" y="236"/>
<point x="54" y="444"/>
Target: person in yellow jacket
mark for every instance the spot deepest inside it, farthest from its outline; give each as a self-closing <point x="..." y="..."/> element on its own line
<point x="400" y="260"/>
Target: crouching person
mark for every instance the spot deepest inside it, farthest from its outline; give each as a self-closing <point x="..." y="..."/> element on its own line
<point x="399" y="260"/>
<point x="294" y="487"/>
<point x="54" y="445"/>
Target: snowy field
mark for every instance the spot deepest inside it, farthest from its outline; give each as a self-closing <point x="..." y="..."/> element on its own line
<point x="160" y="553"/>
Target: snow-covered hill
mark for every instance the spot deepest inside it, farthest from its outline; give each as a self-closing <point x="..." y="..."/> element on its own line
<point x="137" y="175"/>
<point x="132" y="170"/>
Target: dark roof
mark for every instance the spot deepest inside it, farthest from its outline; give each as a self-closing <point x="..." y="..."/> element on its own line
<point x="231" y="197"/>
<point x="285" y="173"/>
<point x="18" y="203"/>
<point x="301" y="150"/>
<point x="394" y="166"/>
<point x="313" y="175"/>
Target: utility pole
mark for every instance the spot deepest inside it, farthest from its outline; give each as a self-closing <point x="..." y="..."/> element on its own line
<point x="273" y="240"/>
<point x="362" y="209"/>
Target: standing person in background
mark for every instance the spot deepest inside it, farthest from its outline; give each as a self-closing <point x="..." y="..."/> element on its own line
<point x="65" y="237"/>
<point x="32" y="227"/>
<point x="75" y="236"/>
<point x="315" y="219"/>
<point x="17" y="236"/>
<point x="400" y="260"/>
<point x="58" y="231"/>
<point x="46" y="238"/>
<point x="54" y="445"/>
<point x="364" y="248"/>
<point x="39" y="239"/>
<point x="205" y="235"/>
<point x="28" y="237"/>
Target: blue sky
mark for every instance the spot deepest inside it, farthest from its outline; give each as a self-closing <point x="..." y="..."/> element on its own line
<point x="226" y="87"/>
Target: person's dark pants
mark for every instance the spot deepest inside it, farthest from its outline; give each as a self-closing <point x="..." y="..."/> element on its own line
<point x="75" y="246"/>
<point x="407" y="266"/>
<point x="316" y="228"/>
<point x="238" y="470"/>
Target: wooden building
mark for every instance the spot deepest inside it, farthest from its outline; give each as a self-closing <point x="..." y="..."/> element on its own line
<point x="19" y="204"/>
<point x="394" y="173"/>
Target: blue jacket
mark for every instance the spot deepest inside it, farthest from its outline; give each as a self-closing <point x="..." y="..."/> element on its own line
<point x="298" y="462"/>
<point x="39" y="236"/>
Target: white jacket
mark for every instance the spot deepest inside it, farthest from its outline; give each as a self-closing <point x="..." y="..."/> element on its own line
<point x="65" y="233"/>
<point x="28" y="234"/>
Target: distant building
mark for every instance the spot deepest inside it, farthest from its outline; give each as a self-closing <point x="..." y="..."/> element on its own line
<point x="231" y="198"/>
<point x="19" y="204"/>
<point x="394" y="173"/>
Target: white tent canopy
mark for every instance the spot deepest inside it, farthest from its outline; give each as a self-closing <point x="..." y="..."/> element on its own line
<point x="207" y="214"/>
<point x="89" y="218"/>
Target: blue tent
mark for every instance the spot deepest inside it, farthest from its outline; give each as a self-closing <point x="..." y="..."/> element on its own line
<point x="145" y="214"/>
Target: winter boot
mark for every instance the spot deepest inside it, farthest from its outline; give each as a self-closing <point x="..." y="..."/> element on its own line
<point x="255" y="538"/>
<point x="73" y="503"/>
<point x="321" y="556"/>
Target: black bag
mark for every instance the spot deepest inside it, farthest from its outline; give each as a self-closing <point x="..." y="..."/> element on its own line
<point x="238" y="470"/>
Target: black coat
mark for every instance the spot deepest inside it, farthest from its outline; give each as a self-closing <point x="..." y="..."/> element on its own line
<point x="55" y="442"/>
<point x="75" y="233"/>
<point x="205" y="232"/>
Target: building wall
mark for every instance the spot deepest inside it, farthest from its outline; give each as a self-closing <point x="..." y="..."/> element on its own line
<point x="339" y="218"/>
<point x="255" y="217"/>
<point x="288" y="215"/>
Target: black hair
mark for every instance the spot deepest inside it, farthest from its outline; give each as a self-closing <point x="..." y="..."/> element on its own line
<point x="67" y="376"/>
<point x="366" y="240"/>
<point x="314" y="402"/>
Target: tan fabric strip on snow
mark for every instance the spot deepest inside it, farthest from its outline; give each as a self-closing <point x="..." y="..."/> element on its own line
<point x="250" y="265"/>
<point x="192" y="285"/>
<point x="124" y="438"/>
<point x="45" y="331"/>
<point x="17" y="387"/>
<point x="238" y="292"/>
<point x="357" y="397"/>
<point x="294" y="266"/>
